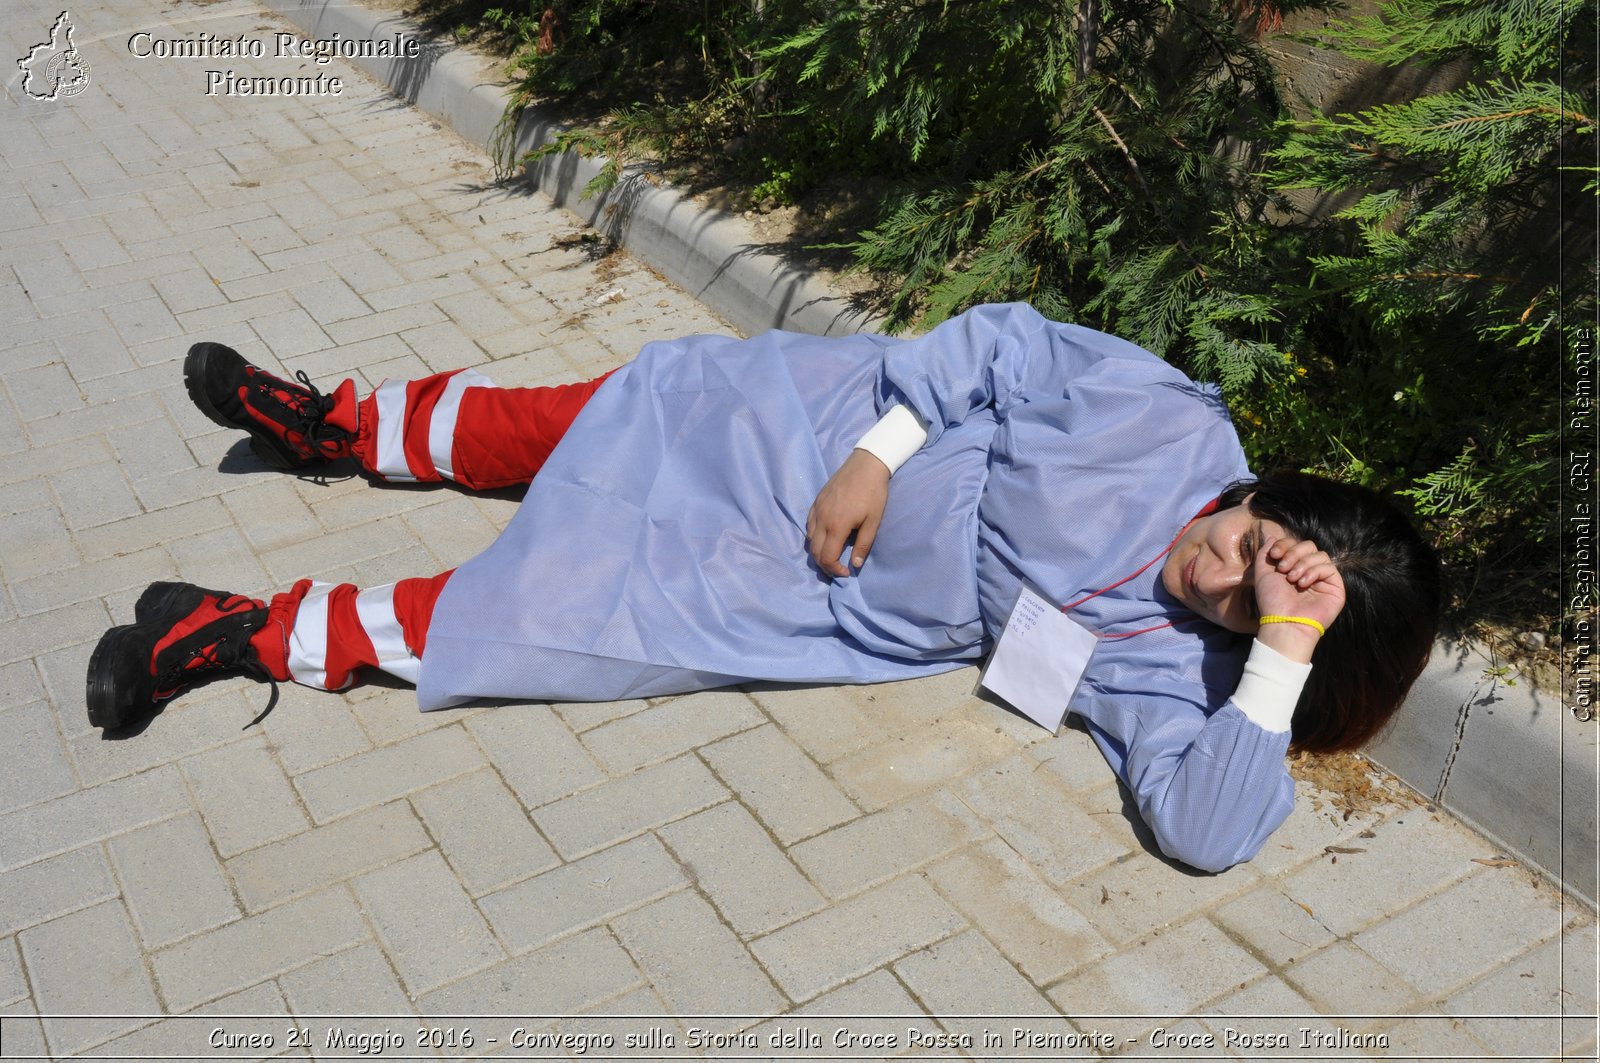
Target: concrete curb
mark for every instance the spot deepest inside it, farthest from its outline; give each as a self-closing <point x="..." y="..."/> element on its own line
<point x="1510" y="762"/>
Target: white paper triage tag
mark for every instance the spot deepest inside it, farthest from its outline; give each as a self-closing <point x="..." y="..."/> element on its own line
<point x="1036" y="665"/>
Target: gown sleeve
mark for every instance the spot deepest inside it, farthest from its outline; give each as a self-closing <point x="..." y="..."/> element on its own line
<point x="1211" y="784"/>
<point x="996" y="356"/>
<point x="1212" y="789"/>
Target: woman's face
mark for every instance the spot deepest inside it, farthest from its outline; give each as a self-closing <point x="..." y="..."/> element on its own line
<point x="1210" y="568"/>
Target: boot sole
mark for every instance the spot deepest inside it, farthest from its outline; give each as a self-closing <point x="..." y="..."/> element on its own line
<point x="194" y="374"/>
<point x="106" y="709"/>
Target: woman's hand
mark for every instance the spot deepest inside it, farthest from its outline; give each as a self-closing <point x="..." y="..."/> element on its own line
<point x="1294" y="578"/>
<point x="851" y="501"/>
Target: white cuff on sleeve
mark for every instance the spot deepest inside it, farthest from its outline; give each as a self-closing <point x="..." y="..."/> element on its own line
<point x="899" y="433"/>
<point x="1270" y="688"/>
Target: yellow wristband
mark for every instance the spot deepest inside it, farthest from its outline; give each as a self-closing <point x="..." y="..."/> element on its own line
<point x="1306" y="620"/>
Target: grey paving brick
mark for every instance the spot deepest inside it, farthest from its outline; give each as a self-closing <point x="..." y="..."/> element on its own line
<point x="389" y="714"/>
<point x="1270" y="1017"/>
<point x="43" y="391"/>
<point x="13" y="983"/>
<point x="359" y="981"/>
<point x="188" y="290"/>
<point x="228" y="260"/>
<point x="825" y="721"/>
<point x="583" y="716"/>
<point x="154" y="448"/>
<point x="34" y="542"/>
<point x="96" y="249"/>
<point x="99" y="295"/>
<point x="1429" y="1033"/>
<point x="331" y="300"/>
<point x="1418" y="854"/>
<point x="148" y="530"/>
<point x="1141" y="893"/>
<point x="1521" y="1003"/>
<point x="257" y="948"/>
<point x="39" y="892"/>
<point x="271" y="514"/>
<point x="428" y="925"/>
<point x="453" y="533"/>
<point x="307" y="862"/>
<point x="218" y="558"/>
<point x="443" y="345"/>
<point x="399" y="243"/>
<point x="291" y="333"/>
<point x="243" y="796"/>
<point x="1505" y="917"/>
<point x="91" y="580"/>
<point x="37" y="767"/>
<point x="172" y="881"/>
<point x="1005" y="898"/>
<point x="189" y="1037"/>
<point x="775" y="778"/>
<point x="563" y="978"/>
<point x="419" y="291"/>
<point x="536" y="754"/>
<point x="226" y="321"/>
<point x="400" y="319"/>
<point x="1038" y="819"/>
<point x="869" y="850"/>
<point x="848" y="939"/>
<point x="580" y="894"/>
<point x="268" y="234"/>
<point x="744" y="873"/>
<point x="23" y="1033"/>
<point x="624" y="807"/>
<point x="479" y="312"/>
<point x="483" y="832"/>
<point x="620" y="1018"/>
<point x="298" y="560"/>
<point x="1277" y="928"/>
<point x="310" y="729"/>
<point x="876" y="1008"/>
<point x="695" y="962"/>
<point x="1145" y="981"/>
<point x="294" y="281"/>
<point x="92" y="354"/>
<point x="87" y="963"/>
<point x="927" y="757"/>
<point x="201" y="720"/>
<point x="387" y="772"/>
<point x="1343" y="978"/>
<point x="66" y="823"/>
<point x="19" y="684"/>
<point x="367" y="271"/>
<point x="144" y="320"/>
<point x="670" y="728"/>
<point x="966" y="975"/>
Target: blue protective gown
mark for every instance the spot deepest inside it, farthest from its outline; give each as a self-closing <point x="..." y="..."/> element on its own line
<point x="662" y="547"/>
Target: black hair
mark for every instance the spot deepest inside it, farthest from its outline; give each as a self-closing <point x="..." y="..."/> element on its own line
<point x="1376" y="647"/>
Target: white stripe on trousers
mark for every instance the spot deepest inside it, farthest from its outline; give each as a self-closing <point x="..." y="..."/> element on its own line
<point x="442" y="429"/>
<point x="308" y="642"/>
<point x="390" y="460"/>
<point x="375" y="607"/>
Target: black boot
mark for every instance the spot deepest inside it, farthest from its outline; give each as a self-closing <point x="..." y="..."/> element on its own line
<point x="289" y="423"/>
<point x="184" y="636"/>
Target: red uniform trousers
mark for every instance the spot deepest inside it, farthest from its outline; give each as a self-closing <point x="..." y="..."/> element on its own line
<point x="453" y="426"/>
